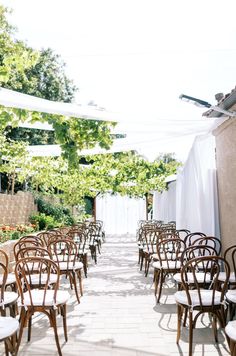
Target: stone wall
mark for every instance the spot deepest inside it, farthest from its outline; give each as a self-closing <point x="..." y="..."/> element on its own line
<point x="16" y="209"/>
<point x="225" y="136"/>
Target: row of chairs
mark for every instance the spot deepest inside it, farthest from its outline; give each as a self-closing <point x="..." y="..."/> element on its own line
<point x="203" y="277"/>
<point x="40" y="261"/>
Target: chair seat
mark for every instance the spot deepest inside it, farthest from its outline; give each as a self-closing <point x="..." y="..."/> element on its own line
<point x="64" y="266"/>
<point x="222" y="276"/>
<point x="231" y="295"/>
<point x="34" y="279"/>
<point x="167" y="265"/>
<point x="200" y="276"/>
<point x="8" y="326"/>
<point x="11" y="278"/>
<point x="9" y="298"/>
<point x="230" y="330"/>
<point x="38" y="297"/>
<point x="206" y="297"/>
<point x="82" y="252"/>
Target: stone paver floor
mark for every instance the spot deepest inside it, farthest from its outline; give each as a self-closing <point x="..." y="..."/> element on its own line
<point x="118" y="314"/>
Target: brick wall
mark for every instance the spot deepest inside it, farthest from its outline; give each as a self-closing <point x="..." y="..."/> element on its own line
<point x="16" y="209"/>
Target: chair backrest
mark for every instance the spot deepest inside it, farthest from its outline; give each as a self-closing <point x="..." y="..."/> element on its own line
<point x="26" y="281"/>
<point x="213" y="265"/>
<point x="190" y="238"/>
<point x="195" y="251"/>
<point x="230" y="256"/>
<point x="78" y="236"/>
<point x="170" y="250"/>
<point x="63" y="250"/>
<point x="25" y="243"/>
<point x="209" y="241"/>
<point x="47" y="236"/>
<point x="4" y="261"/>
<point x="32" y="251"/>
<point x="182" y="233"/>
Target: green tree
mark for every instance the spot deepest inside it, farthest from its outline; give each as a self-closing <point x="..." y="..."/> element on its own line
<point x="43" y="74"/>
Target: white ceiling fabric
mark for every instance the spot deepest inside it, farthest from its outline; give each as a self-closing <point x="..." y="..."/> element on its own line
<point x="148" y="135"/>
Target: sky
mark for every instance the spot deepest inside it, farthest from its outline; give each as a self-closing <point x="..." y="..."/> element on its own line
<point x="137" y="56"/>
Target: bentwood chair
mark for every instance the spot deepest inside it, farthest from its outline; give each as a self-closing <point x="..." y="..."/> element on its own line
<point x="64" y="253"/>
<point x="46" y="299"/>
<point x="80" y="238"/>
<point x="8" y="298"/>
<point x="8" y="330"/>
<point x="194" y="299"/>
<point x="188" y="254"/>
<point x="169" y="262"/>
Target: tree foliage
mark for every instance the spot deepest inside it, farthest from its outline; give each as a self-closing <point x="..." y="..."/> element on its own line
<point x="42" y="74"/>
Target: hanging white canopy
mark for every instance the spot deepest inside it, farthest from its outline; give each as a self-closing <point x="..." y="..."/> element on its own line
<point x="145" y="134"/>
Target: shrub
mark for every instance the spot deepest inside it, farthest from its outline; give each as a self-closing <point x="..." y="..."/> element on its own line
<point x="60" y="214"/>
<point x="43" y="221"/>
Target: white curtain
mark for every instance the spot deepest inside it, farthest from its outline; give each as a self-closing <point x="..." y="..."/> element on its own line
<point x="196" y="190"/>
<point x="120" y="214"/>
<point x="164" y="204"/>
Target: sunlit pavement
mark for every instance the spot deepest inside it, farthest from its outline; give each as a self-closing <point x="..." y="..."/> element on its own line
<point x="118" y="314"/>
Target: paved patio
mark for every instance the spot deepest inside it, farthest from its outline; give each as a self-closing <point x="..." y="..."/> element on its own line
<point x="118" y="315"/>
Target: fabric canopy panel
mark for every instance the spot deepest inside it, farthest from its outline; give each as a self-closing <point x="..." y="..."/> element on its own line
<point x="164" y="204"/>
<point x="196" y="190"/>
<point x="120" y="214"/>
<point x="147" y="134"/>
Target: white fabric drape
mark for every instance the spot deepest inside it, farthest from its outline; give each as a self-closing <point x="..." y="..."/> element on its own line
<point x="196" y="190"/>
<point x="164" y="204"/>
<point x="192" y="200"/>
<point x="120" y="214"/>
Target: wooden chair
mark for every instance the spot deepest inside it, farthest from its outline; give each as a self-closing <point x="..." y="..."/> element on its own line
<point x="64" y="253"/>
<point x="194" y="300"/>
<point x="80" y="238"/>
<point x="8" y="298"/>
<point x="188" y="254"/>
<point x="8" y="331"/>
<point x="46" y="299"/>
<point x="169" y="262"/>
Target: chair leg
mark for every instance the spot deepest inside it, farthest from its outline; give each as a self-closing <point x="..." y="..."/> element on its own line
<point x="73" y="281"/>
<point x="179" y="316"/>
<point x="23" y="320"/>
<point x="214" y="326"/>
<point x="156" y="279"/>
<point x="190" y="333"/>
<point x="63" y="313"/>
<point x="162" y="278"/>
<point x="141" y="263"/>
<point x="80" y="282"/>
<point x="85" y="264"/>
<point x="54" y="325"/>
<point x="29" y="328"/>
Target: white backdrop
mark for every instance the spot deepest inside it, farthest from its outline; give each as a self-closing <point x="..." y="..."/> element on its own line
<point x="164" y="204"/>
<point x="193" y="200"/>
<point x="196" y="189"/>
<point x="120" y="214"/>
